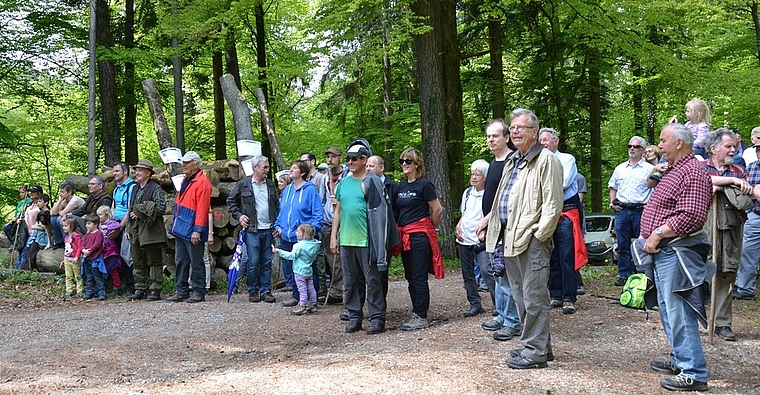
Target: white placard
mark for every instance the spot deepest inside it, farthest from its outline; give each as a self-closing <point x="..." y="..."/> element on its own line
<point x="170" y="155"/>
<point x="248" y="148"/>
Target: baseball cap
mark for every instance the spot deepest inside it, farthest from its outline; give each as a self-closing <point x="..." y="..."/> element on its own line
<point x="322" y="166"/>
<point x="333" y="150"/>
<point x="36" y="189"/>
<point x="357" y="150"/>
<point x="190" y="156"/>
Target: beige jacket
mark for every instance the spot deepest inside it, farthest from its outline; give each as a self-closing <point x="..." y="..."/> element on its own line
<point x="535" y="202"/>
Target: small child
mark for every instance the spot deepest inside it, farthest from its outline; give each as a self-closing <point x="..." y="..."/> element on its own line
<point x="40" y="236"/>
<point x="94" y="267"/>
<point x="72" y="252"/>
<point x="302" y="255"/>
<point x="110" y="249"/>
<point x="698" y="121"/>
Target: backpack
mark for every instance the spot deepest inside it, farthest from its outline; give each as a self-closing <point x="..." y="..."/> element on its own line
<point x="633" y="291"/>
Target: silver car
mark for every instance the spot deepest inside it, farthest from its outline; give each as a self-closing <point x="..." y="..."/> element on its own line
<point x="600" y="240"/>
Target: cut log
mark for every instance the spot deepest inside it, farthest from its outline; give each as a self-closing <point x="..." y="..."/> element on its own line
<point x="160" y="125"/>
<point x="221" y="217"/>
<point x="269" y="127"/>
<point x="223" y="261"/>
<point x="222" y="232"/>
<point x="228" y="244"/>
<point x="239" y="106"/>
<point x="216" y="245"/>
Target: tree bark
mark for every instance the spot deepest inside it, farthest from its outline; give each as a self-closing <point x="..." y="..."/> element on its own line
<point x="498" y="106"/>
<point x="220" y="131"/>
<point x="387" y="98"/>
<point x="756" y="27"/>
<point x="109" y="106"/>
<point x="270" y="134"/>
<point x="432" y="111"/>
<point x="595" y="118"/>
<point x="638" y="99"/>
<point x="159" y="120"/>
<point x="130" y="105"/>
<point x="230" y="54"/>
<point x="179" y="113"/>
<point x="239" y="106"/>
<point x="261" y="63"/>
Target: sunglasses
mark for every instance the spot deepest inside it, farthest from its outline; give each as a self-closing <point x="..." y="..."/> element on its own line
<point x="353" y="158"/>
<point x="633" y="146"/>
<point x="405" y="161"/>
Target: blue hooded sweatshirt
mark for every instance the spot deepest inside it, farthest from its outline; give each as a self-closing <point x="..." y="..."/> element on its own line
<point x="303" y="255"/>
<point x="302" y="206"/>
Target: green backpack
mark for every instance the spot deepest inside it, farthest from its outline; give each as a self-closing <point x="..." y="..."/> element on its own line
<point x="633" y="291"/>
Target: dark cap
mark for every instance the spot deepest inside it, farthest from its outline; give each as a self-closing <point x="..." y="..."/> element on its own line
<point x="36" y="189"/>
<point x="145" y="164"/>
<point x="333" y="150"/>
<point x="357" y="150"/>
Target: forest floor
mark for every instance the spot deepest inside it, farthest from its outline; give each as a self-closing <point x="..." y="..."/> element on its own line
<point x="48" y="345"/>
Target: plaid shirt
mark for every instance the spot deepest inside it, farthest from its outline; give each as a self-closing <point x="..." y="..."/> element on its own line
<point x="504" y="201"/>
<point x="754" y="178"/>
<point x="681" y="200"/>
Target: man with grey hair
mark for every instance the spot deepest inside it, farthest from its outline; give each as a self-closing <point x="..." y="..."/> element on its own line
<point x="746" y="276"/>
<point x="750" y="153"/>
<point x="729" y="185"/>
<point x="628" y="196"/>
<point x="254" y="202"/>
<point x="98" y="197"/>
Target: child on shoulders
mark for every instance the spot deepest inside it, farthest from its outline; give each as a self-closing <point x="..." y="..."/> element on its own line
<point x="302" y="255"/>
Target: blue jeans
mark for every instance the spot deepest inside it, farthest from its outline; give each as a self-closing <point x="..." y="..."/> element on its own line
<point x="505" y="303"/>
<point x="259" y="247"/>
<point x="287" y="265"/>
<point x="21" y="263"/>
<point x="562" y="267"/>
<point x="627" y="223"/>
<point x="55" y="224"/>
<point x="745" y="277"/>
<point x="93" y="280"/>
<point x="187" y="254"/>
<point x="678" y="319"/>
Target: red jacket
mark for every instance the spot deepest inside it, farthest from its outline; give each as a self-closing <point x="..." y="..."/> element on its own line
<point x="581" y="254"/>
<point x="192" y="207"/>
<point x="425" y="226"/>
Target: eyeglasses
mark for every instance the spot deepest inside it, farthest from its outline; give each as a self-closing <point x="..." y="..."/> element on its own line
<point x="402" y="161"/>
<point x="633" y="146"/>
<point x="353" y="158"/>
<point x="520" y="128"/>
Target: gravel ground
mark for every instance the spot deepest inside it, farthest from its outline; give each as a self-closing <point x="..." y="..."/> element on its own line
<point x="55" y="347"/>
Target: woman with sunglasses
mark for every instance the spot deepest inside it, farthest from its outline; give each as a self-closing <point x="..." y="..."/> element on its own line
<point x="418" y="212"/>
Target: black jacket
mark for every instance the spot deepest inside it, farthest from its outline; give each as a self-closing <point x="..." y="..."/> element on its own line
<point x="242" y="202"/>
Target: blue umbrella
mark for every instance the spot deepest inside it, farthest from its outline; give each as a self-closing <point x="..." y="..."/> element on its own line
<point x="232" y="272"/>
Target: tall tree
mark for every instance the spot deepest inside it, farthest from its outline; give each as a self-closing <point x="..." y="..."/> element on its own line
<point x="130" y="104"/>
<point x="109" y="106"/>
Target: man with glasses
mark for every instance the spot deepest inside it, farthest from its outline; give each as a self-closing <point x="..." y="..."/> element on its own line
<point x="254" y="203"/>
<point x="628" y="196"/>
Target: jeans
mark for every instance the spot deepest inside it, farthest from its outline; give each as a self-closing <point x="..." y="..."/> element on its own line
<point x="287" y="265"/>
<point x="188" y="254"/>
<point x="21" y="262"/>
<point x="562" y="284"/>
<point x="745" y="277"/>
<point x="94" y="281"/>
<point x="627" y="223"/>
<point x="55" y="224"/>
<point x="416" y="263"/>
<point x="505" y="303"/>
<point x="678" y="319"/>
<point x="259" y="246"/>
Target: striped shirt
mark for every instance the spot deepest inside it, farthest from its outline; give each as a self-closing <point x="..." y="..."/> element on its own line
<point x="754" y="178"/>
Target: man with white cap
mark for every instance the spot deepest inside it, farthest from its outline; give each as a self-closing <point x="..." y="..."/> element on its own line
<point x="190" y="228"/>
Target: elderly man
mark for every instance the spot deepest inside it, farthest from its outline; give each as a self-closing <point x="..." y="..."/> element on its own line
<point x="562" y="286"/>
<point x="527" y="220"/>
<point x="146" y="233"/>
<point x="190" y="228"/>
<point x="750" y="154"/>
<point x="254" y="202"/>
<point x="728" y="181"/>
<point x="98" y="197"/>
<point x="506" y="324"/>
<point x="744" y="287"/>
<point x="628" y="196"/>
<point x="327" y="193"/>
<point x="676" y="212"/>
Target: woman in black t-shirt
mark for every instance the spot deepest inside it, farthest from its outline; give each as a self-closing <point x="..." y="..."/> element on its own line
<point x="418" y="213"/>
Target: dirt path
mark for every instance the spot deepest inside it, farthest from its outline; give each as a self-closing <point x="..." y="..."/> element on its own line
<point x="239" y="347"/>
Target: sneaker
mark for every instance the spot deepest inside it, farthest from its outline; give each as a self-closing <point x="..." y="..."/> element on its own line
<point x="473" y="311"/>
<point x="268" y="298"/>
<point x="101" y="298"/>
<point x="136" y="296"/>
<point x="254" y="297"/>
<point x="286" y="289"/>
<point x="415" y="323"/>
<point x="289" y="303"/>
<point x="555" y="303"/>
<point x="153" y="296"/>
<point x="521" y="362"/>
<point x="482" y="288"/>
<point x="492" y="325"/>
<point x="311" y="309"/>
<point x="741" y="296"/>
<point x="725" y="333"/>
<point x="117" y="292"/>
<point x="506" y="333"/>
<point x="375" y="328"/>
<point x="299" y="310"/>
<point x="664" y="367"/>
<point x="568" y="308"/>
<point x="683" y="383"/>
<point x="620" y="281"/>
<point x="580" y="290"/>
<point x="516" y="353"/>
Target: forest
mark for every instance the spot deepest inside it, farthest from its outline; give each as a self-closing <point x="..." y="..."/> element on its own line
<point x="423" y="73"/>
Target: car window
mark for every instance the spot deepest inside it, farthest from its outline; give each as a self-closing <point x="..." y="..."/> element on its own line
<point x="597" y="224"/>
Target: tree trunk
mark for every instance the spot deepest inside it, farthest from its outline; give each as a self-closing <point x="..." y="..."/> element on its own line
<point x="159" y="120"/>
<point x="432" y="112"/>
<point x="595" y="115"/>
<point x="130" y="101"/>
<point x="498" y="106"/>
<point x="261" y="63"/>
<point x="756" y="25"/>
<point x="230" y="54"/>
<point x="109" y="106"/>
<point x="220" y="130"/>
<point x="638" y="99"/>
<point x="239" y="106"/>
<point x="179" y="114"/>
<point x="270" y="136"/>
<point x="387" y="99"/>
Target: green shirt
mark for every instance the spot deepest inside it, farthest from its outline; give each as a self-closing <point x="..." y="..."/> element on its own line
<point x="21" y="205"/>
<point x="353" y="213"/>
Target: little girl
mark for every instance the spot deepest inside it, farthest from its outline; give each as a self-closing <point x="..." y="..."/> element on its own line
<point x="302" y="255"/>
<point x="698" y="121"/>
<point x="40" y="236"/>
<point x="92" y="261"/>
<point x="110" y="249"/>
<point x="72" y="252"/>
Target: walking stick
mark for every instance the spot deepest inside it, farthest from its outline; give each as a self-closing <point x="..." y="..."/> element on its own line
<point x="18" y="226"/>
<point x="714" y="215"/>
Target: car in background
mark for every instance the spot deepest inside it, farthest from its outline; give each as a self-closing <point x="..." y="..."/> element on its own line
<point x="600" y="240"/>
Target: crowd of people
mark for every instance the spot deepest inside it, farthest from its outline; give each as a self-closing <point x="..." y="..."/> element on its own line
<point x="520" y="234"/>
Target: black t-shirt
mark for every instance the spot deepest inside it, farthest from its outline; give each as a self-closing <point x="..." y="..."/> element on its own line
<point x="492" y="184"/>
<point x="411" y="200"/>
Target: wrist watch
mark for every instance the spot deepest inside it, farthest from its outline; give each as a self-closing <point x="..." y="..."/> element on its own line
<point x="658" y="231"/>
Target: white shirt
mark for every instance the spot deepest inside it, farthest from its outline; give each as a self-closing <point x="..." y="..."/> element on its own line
<point x="472" y="212"/>
<point x="630" y="182"/>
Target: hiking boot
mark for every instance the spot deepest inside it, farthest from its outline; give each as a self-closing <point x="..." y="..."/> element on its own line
<point x="568" y="308"/>
<point x="299" y="310"/>
<point x="311" y="309"/>
<point x="415" y="323"/>
<point x="516" y="353"/>
<point x="620" y="281"/>
<point x="664" y="367"/>
<point x="289" y="303"/>
<point x="286" y="289"/>
<point x="136" y="296"/>
<point x="333" y="300"/>
<point x="555" y="303"/>
<point x="196" y="298"/>
<point x="492" y="325"/>
<point x="153" y="296"/>
<point x="176" y="298"/>
<point x="354" y="326"/>
<point x="683" y="383"/>
<point x="254" y="297"/>
<point x="268" y="298"/>
<point x="725" y="333"/>
<point x="580" y="290"/>
<point x="344" y="316"/>
<point x="506" y="333"/>
<point x="375" y="328"/>
<point x="521" y="362"/>
<point x="742" y="296"/>
<point x="473" y="311"/>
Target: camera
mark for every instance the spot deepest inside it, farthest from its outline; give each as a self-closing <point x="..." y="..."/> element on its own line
<point x="478" y="248"/>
